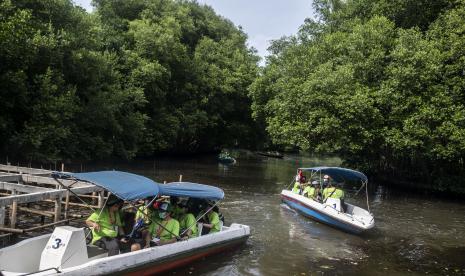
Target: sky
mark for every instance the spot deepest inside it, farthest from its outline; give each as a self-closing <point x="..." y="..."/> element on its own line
<point x="261" y="20"/>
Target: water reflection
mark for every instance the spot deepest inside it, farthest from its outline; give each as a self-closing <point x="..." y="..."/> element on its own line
<point x="413" y="235"/>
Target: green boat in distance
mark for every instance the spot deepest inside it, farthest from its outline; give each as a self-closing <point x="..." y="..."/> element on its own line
<point x="225" y="158"/>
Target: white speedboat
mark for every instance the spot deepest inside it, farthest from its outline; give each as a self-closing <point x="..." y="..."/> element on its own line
<point x="38" y="255"/>
<point x="353" y="219"/>
<point x="66" y="252"/>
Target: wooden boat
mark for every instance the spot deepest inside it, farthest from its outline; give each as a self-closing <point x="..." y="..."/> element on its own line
<point x="353" y="219"/>
<point x="273" y="154"/>
<point x="65" y="251"/>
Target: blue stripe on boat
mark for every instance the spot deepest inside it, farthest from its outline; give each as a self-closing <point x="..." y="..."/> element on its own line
<point x="320" y="216"/>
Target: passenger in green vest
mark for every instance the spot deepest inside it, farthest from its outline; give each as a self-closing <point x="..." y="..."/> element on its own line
<point x="106" y="225"/>
<point x="147" y="213"/>
<point x="299" y="185"/>
<point x="332" y="192"/>
<point x="176" y="211"/>
<point x="164" y="231"/>
<point x="187" y="222"/>
<point x="311" y="190"/>
<point x="212" y="219"/>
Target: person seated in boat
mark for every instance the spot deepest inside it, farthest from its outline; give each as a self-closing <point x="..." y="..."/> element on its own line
<point x="164" y="230"/>
<point x="176" y="210"/>
<point x="106" y="225"/>
<point x="147" y="213"/>
<point x="311" y="191"/>
<point x="334" y="192"/>
<point x="299" y="185"/>
<point x="187" y="222"/>
<point x="212" y="219"/>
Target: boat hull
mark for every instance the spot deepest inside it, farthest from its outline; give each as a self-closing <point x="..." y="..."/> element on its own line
<point x="323" y="214"/>
<point x="183" y="259"/>
<point x="227" y="160"/>
<point x="148" y="261"/>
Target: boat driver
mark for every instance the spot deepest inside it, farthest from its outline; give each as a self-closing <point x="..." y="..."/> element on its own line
<point x="106" y="225"/>
<point x="333" y="192"/>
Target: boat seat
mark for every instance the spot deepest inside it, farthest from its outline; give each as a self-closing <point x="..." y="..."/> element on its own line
<point x="94" y="252"/>
<point x="334" y="203"/>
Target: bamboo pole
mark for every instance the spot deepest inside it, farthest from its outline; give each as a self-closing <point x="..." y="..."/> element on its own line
<point x="45" y="225"/>
<point x="58" y="203"/>
<point x="2" y="216"/>
<point x="11" y="230"/>
<point x="66" y="205"/>
<point x="37" y="212"/>
<point x="88" y="196"/>
<point x="14" y="211"/>
<point x="101" y="199"/>
<point x="94" y="198"/>
<point x="74" y="204"/>
<point x="5" y="235"/>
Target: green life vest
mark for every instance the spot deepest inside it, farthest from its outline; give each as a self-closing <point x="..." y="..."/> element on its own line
<point x="333" y="192"/>
<point x="214" y="219"/>
<point x="296" y="188"/>
<point x="187" y="221"/>
<point x="172" y="225"/>
<point x="310" y="191"/>
<point x="107" y="229"/>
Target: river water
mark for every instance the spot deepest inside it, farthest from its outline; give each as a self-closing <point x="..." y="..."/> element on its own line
<point x="413" y="235"/>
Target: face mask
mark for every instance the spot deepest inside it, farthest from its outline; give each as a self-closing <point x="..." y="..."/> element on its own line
<point x="162" y="215"/>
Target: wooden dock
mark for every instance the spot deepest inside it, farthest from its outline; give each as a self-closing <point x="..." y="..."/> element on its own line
<point x="34" y="192"/>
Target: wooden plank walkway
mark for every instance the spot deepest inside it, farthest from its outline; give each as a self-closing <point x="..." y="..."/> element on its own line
<point x="22" y="185"/>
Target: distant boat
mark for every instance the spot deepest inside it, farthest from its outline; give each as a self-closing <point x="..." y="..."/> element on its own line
<point x="225" y="158"/>
<point x="353" y="219"/>
<point x="273" y="154"/>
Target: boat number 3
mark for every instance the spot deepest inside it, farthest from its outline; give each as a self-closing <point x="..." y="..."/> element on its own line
<point x="57" y="244"/>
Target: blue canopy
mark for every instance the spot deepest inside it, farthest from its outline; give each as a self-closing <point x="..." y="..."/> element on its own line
<point x="188" y="189"/>
<point x="126" y="186"/>
<point x="339" y="174"/>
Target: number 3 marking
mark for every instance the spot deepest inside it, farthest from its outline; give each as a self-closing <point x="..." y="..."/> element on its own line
<point x="58" y="243"/>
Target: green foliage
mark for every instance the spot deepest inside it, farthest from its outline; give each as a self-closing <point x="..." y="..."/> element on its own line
<point x="379" y="83"/>
<point x="133" y="78"/>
